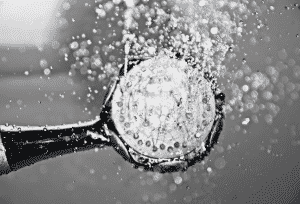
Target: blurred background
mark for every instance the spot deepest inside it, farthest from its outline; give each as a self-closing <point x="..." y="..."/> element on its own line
<point x="36" y="86"/>
<point x="56" y="58"/>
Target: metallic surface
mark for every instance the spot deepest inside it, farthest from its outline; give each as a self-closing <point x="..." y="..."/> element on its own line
<point x="4" y="166"/>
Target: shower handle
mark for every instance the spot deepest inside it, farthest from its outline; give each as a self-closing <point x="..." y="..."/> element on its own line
<point x="22" y="146"/>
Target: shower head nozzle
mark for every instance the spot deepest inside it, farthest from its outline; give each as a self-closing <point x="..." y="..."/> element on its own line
<point x="163" y="110"/>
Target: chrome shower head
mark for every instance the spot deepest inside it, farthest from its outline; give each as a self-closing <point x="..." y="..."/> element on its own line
<point x="164" y="115"/>
<point x="165" y="112"/>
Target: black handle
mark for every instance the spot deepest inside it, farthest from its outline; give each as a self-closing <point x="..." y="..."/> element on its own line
<point x="24" y="146"/>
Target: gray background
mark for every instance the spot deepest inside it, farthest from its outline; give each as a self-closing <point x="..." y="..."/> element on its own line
<point x="261" y="160"/>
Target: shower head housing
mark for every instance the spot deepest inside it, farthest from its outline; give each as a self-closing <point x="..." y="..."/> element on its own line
<point x="164" y="114"/>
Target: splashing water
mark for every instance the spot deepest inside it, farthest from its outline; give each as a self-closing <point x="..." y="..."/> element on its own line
<point x="252" y="61"/>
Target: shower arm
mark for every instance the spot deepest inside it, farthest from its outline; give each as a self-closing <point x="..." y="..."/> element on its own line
<point x="22" y="146"/>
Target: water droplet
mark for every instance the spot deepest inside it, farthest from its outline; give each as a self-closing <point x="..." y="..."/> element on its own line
<point x="170" y="149"/>
<point x="267" y="95"/>
<point x="140" y="142"/>
<point x="294" y="95"/>
<point x="121" y="119"/>
<point x="92" y="171"/>
<point x="214" y="30"/>
<point x="208" y="107"/>
<point x="202" y="3"/>
<point x="269" y="119"/>
<point x="162" y="146"/>
<point x="47" y="71"/>
<point x="189" y="115"/>
<point x="178" y="180"/>
<point x="198" y="135"/>
<point x="220" y="163"/>
<point x="246" y="121"/>
<point x="129" y="84"/>
<point x="148" y="143"/>
<point x="127" y="124"/>
<point x="120" y="104"/>
<point x="253" y="41"/>
<point x="135" y="135"/>
<point x="204" y="123"/>
<point x="146" y="123"/>
<point x="291" y="62"/>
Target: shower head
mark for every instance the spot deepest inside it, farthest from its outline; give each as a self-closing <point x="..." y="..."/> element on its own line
<point x="164" y="114"/>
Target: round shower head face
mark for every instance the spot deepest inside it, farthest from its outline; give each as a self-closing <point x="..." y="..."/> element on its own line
<point x="164" y="109"/>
